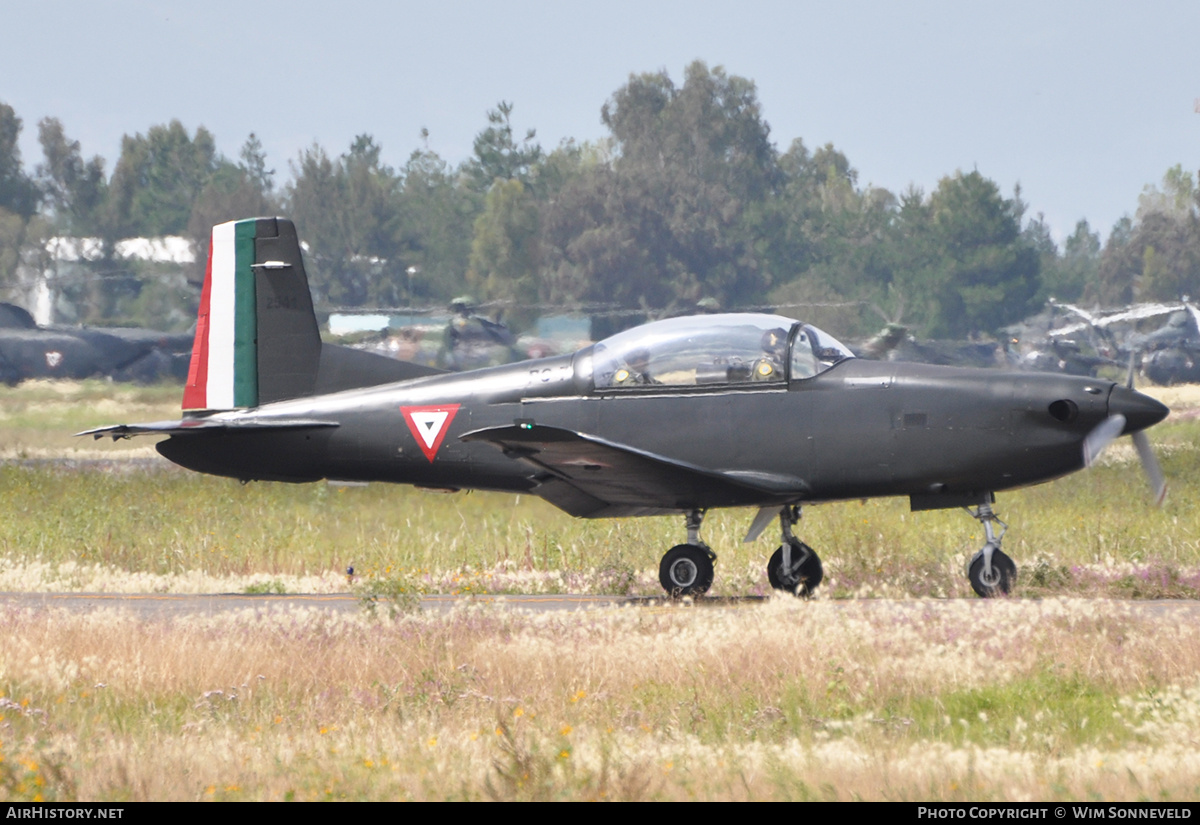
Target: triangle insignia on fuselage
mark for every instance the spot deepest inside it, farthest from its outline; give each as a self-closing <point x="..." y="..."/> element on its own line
<point x="429" y="425"/>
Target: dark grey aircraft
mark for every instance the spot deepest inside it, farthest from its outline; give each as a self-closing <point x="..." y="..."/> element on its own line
<point x="677" y="416"/>
<point x="29" y="351"/>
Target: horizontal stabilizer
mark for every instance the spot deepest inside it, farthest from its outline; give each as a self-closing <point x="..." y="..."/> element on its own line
<point x="194" y="425"/>
<point x="628" y="480"/>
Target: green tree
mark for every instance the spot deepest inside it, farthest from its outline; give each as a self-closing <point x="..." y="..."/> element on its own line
<point x="1071" y="275"/>
<point x="1156" y="255"/>
<point x="1177" y="198"/>
<point x="1168" y="257"/>
<point x="821" y="239"/>
<point x="157" y="180"/>
<point x="968" y="270"/>
<point x="1119" y="268"/>
<point x="19" y="196"/>
<point x="666" y="222"/>
<point x="504" y="252"/>
<point x="72" y="188"/>
<point x="18" y="193"/>
<point x="435" y="222"/>
<point x="498" y="155"/>
<point x="505" y="246"/>
<point x="231" y="194"/>
<point x="254" y="165"/>
<point x="347" y="210"/>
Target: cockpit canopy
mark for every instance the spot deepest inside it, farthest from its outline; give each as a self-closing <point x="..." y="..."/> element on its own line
<point x="715" y="349"/>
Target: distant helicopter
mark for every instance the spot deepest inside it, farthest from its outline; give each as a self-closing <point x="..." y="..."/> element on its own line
<point x="1168" y="354"/>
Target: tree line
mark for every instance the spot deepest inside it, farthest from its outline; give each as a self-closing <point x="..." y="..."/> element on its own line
<point x="685" y="199"/>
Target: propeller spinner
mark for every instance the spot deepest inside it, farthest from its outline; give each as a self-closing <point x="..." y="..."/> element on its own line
<point x="1130" y="413"/>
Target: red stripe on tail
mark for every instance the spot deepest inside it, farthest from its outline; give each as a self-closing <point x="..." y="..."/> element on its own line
<point x="195" y="393"/>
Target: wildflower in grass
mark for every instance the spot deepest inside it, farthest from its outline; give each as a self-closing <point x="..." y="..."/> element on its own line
<point x="565" y="730"/>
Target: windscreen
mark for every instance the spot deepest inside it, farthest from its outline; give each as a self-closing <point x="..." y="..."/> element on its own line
<point x="814" y="351"/>
<point x="696" y="350"/>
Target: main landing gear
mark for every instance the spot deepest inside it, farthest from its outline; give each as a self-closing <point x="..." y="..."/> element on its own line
<point x="687" y="569"/>
<point x="992" y="573"/>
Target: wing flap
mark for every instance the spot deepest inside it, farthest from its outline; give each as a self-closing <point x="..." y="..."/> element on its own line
<point x="611" y="479"/>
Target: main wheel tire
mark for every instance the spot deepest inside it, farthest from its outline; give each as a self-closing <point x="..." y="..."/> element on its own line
<point x="686" y="570"/>
<point x="806" y="572"/>
<point x="1000" y="582"/>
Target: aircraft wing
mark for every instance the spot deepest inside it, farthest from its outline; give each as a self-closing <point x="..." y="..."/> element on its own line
<point x="590" y="477"/>
<point x="192" y="425"/>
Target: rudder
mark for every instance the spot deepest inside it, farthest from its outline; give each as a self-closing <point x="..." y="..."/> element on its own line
<point x="257" y="338"/>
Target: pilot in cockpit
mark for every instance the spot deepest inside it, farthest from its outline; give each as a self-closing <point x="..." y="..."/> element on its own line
<point x="769" y="367"/>
<point x="636" y="370"/>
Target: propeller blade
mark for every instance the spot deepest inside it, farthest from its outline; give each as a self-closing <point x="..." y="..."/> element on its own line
<point x="1100" y="437"/>
<point x="1154" y="473"/>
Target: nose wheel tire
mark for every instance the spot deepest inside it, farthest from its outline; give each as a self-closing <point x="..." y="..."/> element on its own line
<point x="686" y="570"/>
<point x="1001" y="579"/>
<point x="803" y="576"/>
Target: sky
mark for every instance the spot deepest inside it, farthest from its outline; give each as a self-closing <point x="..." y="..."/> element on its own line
<point x="1080" y="103"/>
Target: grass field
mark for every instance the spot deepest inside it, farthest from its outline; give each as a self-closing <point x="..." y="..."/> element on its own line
<point x="85" y="522"/>
<point x="868" y="699"/>
<point x="894" y="683"/>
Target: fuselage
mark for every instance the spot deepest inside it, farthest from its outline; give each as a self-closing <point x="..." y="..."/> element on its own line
<point x="859" y="429"/>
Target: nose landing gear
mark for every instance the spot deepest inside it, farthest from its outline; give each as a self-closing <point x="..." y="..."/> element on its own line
<point x="794" y="567"/>
<point x="991" y="571"/>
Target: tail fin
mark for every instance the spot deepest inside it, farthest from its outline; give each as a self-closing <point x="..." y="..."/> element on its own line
<point x="257" y="339"/>
<point x="256" y="335"/>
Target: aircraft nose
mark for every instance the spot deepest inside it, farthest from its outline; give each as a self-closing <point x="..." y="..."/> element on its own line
<point x="1140" y="411"/>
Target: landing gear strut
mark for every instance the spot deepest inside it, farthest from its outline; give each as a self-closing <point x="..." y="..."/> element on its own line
<point x="794" y="567"/>
<point x="687" y="569"/>
<point x="992" y="573"/>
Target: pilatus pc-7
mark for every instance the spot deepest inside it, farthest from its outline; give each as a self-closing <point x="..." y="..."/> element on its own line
<point x="677" y="416"/>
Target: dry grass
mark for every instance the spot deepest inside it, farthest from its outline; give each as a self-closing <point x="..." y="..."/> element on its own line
<point x="1058" y="699"/>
